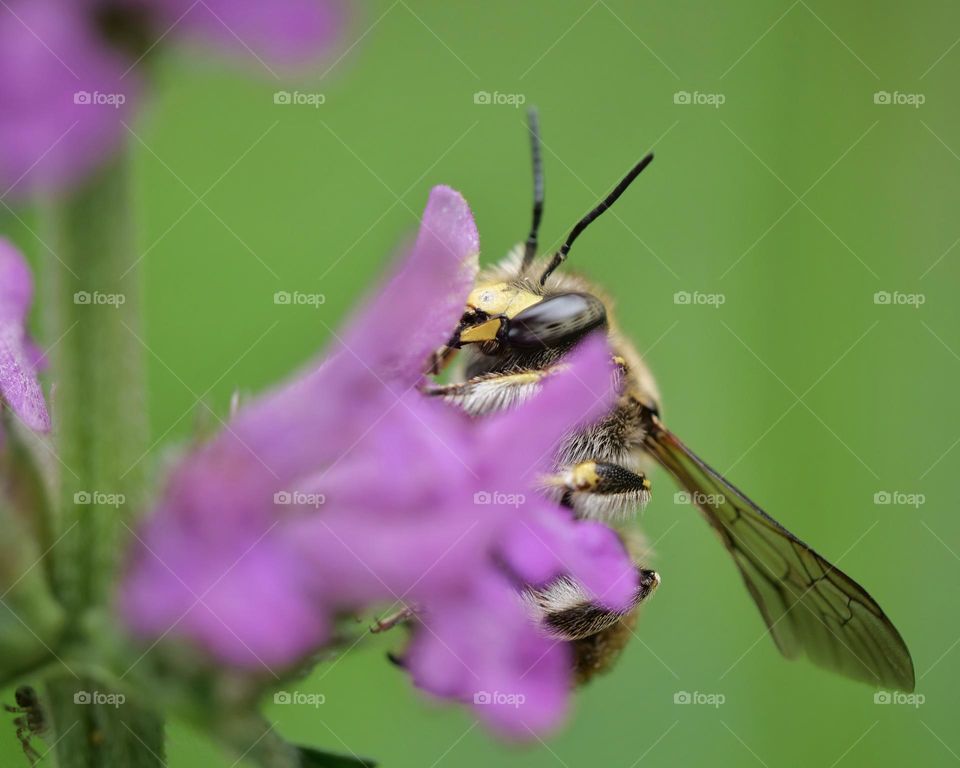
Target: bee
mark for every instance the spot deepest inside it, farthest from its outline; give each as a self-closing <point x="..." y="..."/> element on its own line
<point x="31" y="722"/>
<point x="521" y="320"/>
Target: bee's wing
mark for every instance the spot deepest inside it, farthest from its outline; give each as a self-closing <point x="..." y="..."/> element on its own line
<point x="810" y="606"/>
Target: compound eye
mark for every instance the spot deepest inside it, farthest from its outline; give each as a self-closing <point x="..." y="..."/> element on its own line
<point x="556" y="321"/>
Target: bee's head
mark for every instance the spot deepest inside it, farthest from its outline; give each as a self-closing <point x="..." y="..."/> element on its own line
<point x="516" y="315"/>
<point x="520" y="314"/>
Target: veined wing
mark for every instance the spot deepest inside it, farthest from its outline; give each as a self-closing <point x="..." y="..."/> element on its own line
<point x="810" y="606"/>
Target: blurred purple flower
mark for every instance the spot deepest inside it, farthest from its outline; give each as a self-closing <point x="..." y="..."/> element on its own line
<point x="347" y="488"/>
<point x="53" y="66"/>
<point x="69" y="84"/>
<point x="19" y="357"/>
<point x="281" y="33"/>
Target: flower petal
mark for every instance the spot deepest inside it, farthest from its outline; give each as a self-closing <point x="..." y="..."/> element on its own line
<point x="63" y="100"/>
<point x="404" y="500"/>
<point x="245" y="603"/>
<point x="303" y="424"/>
<point x="289" y="34"/>
<point x="548" y="542"/>
<point x="483" y="649"/>
<point x="227" y="489"/>
<point x="416" y="311"/>
<point x="578" y="395"/>
<point x="18" y="379"/>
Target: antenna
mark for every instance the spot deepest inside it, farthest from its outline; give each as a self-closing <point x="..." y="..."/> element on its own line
<point x="530" y="249"/>
<point x="581" y="225"/>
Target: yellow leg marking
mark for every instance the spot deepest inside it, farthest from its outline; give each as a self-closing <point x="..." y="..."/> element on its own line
<point x="583" y="476"/>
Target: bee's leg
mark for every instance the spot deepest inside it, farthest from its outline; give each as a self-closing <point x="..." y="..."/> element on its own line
<point x="390" y="621"/>
<point x="602" y="490"/>
<point x="491" y="392"/>
<point x="596" y="634"/>
<point x="568" y="612"/>
<point x="439" y="360"/>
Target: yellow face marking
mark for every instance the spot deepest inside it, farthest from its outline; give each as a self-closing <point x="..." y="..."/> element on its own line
<point x="501" y="299"/>
<point x="486" y="331"/>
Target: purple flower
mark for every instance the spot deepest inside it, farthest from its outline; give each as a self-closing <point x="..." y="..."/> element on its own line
<point x="68" y="85"/>
<point x="347" y="489"/>
<point x="19" y="357"/>
<point x="54" y="68"/>
<point x="286" y="34"/>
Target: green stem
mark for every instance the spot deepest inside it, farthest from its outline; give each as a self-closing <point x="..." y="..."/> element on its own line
<point x="93" y="302"/>
<point x="92" y="307"/>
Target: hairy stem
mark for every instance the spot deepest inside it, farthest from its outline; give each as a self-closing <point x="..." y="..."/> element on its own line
<point x="92" y="311"/>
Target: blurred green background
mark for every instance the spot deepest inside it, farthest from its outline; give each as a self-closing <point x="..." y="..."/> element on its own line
<point x="797" y="199"/>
